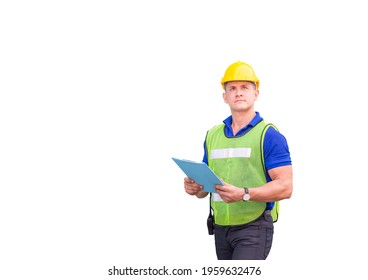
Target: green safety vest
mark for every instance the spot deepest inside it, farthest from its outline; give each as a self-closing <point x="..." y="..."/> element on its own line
<point x="238" y="161"/>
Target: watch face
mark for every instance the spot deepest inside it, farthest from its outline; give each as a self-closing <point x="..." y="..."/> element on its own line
<point x="246" y="197"/>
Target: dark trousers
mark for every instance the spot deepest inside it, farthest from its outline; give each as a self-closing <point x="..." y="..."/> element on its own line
<point x="251" y="241"/>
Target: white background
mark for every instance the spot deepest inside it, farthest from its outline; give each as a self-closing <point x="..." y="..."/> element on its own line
<point x="97" y="96"/>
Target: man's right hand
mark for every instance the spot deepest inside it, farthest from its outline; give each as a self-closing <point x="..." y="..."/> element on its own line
<point x="193" y="188"/>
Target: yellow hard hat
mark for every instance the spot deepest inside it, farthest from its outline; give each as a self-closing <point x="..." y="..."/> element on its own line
<point x="240" y="71"/>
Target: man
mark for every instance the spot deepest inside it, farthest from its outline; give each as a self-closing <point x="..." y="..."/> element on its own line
<point x="253" y="161"/>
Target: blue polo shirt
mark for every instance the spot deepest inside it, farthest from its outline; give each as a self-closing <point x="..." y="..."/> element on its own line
<point x="276" y="149"/>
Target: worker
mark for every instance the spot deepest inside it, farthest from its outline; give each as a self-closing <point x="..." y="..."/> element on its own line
<point x="252" y="159"/>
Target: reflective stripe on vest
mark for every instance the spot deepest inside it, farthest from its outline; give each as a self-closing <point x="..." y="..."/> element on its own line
<point x="230" y="152"/>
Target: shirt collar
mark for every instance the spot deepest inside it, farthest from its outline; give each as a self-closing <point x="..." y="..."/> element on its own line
<point x="229" y="131"/>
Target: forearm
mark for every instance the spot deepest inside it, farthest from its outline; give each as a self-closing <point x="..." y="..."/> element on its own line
<point x="272" y="191"/>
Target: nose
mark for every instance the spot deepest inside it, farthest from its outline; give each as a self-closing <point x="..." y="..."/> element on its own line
<point x="238" y="92"/>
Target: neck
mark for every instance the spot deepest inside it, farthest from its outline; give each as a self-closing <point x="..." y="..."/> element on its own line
<point x="241" y="119"/>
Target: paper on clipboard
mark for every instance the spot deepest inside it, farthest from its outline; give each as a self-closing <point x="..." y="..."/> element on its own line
<point x="200" y="173"/>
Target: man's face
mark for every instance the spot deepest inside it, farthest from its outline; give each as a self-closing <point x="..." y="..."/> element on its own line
<point x="240" y="95"/>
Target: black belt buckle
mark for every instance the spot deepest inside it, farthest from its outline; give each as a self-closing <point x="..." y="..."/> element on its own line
<point x="267" y="215"/>
<point x="267" y="212"/>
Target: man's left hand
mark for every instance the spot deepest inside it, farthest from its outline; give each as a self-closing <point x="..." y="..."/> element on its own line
<point x="229" y="193"/>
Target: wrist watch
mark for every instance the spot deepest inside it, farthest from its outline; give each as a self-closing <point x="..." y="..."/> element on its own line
<point x="246" y="195"/>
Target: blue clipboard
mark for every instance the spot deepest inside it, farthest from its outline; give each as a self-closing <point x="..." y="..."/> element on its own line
<point x="200" y="173"/>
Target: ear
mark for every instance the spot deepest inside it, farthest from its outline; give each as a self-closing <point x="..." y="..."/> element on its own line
<point x="224" y="96"/>
<point x="256" y="94"/>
